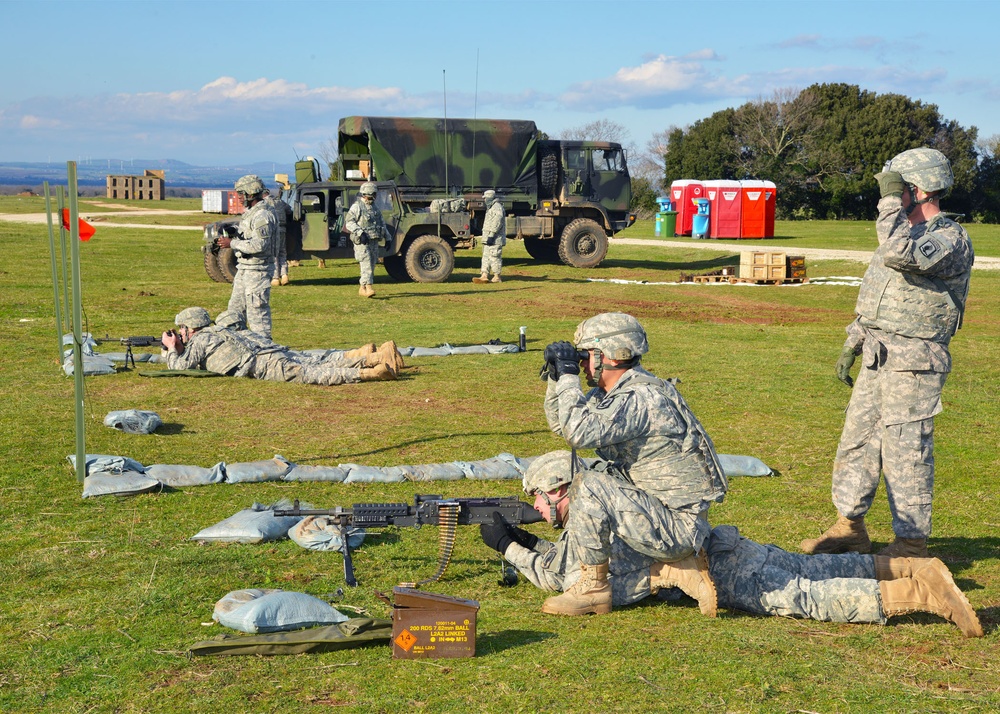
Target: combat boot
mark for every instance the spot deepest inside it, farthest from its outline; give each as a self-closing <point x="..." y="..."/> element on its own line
<point x="284" y="280"/>
<point x="496" y="279"/>
<point x="362" y="351"/>
<point x="931" y="589"/>
<point x="847" y="534"/>
<point x="887" y="568"/>
<point x="369" y="290"/>
<point x="388" y="354"/>
<point x="294" y="264"/>
<point x="906" y="548"/>
<point x="590" y="595"/>
<point x="275" y="282"/>
<point x="321" y="263"/>
<point x="481" y="279"/>
<point x="691" y="575"/>
<point x="378" y="373"/>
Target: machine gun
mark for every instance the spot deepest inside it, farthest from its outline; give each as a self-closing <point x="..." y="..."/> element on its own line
<point x="130" y="342"/>
<point x="426" y="510"/>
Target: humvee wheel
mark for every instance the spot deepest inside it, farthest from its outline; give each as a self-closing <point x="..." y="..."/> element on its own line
<point x="395" y="266"/>
<point x="212" y="266"/>
<point x="226" y="260"/>
<point x="583" y="244"/>
<point x="546" y="251"/>
<point x="429" y="259"/>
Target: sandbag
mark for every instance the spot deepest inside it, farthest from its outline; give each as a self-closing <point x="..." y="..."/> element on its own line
<point x="103" y="463"/>
<point x="433" y="472"/>
<point x="137" y="357"/>
<point x="733" y="465"/>
<point x="133" y="421"/>
<point x="178" y="476"/>
<point x="470" y="350"/>
<point x="306" y="472"/>
<point x="320" y="533"/>
<point x="492" y="469"/>
<point x="273" y="610"/>
<point x="356" y="473"/>
<point x="124" y="483"/>
<point x="442" y="351"/>
<point x="93" y="366"/>
<point x="256" y="524"/>
<point x="356" y="632"/>
<point x="257" y="471"/>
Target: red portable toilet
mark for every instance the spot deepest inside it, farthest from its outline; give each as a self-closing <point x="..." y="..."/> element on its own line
<point x="683" y="193"/>
<point x="770" y="197"/>
<point x="753" y="222"/>
<point x="725" y="200"/>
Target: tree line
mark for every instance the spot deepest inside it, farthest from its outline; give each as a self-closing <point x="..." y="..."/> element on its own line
<point x="822" y="145"/>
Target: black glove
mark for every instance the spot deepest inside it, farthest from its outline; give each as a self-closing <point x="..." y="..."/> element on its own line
<point x="489" y="241"/>
<point x="495" y="534"/>
<point x="565" y="358"/>
<point x="522" y="537"/>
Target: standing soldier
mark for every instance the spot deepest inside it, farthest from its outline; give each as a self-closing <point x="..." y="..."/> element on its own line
<point x="494" y="238"/>
<point x="367" y="228"/>
<point x="281" y="214"/>
<point x="254" y="248"/>
<point x="910" y="304"/>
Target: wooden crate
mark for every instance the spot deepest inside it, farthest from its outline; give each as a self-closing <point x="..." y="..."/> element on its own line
<point x="762" y="265"/>
<point x="796" y="267"/>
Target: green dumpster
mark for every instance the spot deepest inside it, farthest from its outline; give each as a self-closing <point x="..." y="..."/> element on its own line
<point x="669" y="229"/>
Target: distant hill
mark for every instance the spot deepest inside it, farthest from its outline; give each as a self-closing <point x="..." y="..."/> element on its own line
<point x="95" y="171"/>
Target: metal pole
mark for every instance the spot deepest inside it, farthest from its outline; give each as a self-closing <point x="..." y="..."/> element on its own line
<point x="61" y="203"/>
<point x="74" y="239"/>
<point x="55" y="272"/>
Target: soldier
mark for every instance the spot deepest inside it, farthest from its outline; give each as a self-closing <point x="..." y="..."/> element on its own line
<point x="659" y="472"/>
<point x="911" y="302"/>
<point x="494" y="239"/>
<point x="748" y="576"/>
<point x="254" y="248"/>
<point x="282" y="212"/>
<point x="368" y="231"/>
<point x="217" y="349"/>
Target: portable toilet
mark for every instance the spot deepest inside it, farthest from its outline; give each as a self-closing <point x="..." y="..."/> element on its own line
<point x="753" y="221"/>
<point x="683" y="193"/>
<point x="770" y="197"/>
<point x="725" y="200"/>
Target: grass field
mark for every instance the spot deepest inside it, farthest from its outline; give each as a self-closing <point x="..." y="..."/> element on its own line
<point x="102" y="597"/>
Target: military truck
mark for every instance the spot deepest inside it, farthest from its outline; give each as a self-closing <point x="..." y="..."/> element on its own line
<point x="563" y="198"/>
<point x="423" y="243"/>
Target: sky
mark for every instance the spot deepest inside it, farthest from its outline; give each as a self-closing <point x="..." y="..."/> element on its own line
<point x="229" y="83"/>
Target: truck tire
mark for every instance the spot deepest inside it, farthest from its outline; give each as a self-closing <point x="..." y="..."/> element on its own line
<point x="395" y="266"/>
<point x="545" y="251"/>
<point x="212" y="266"/>
<point x="429" y="259"/>
<point x="548" y="160"/>
<point x="583" y="244"/>
<point x="226" y="260"/>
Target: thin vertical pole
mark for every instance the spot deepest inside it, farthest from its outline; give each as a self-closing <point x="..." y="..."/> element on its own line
<point x="55" y="272"/>
<point x="74" y="240"/>
<point x="61" y="203"/>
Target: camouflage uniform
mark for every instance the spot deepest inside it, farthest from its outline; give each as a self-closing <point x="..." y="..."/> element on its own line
<point x="246" y="354"/>
<point x="748" y="576"/>
<point x="494" y="239"/>
<point x="255" y="267"/>
<point x="281" y="213"/>
<point x="910" y="304"/>
<point x="362" y="218"/>
<point x="661" y="471"/>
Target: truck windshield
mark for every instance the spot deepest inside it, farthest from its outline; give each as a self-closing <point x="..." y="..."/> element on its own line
<point x="608" y="160"/>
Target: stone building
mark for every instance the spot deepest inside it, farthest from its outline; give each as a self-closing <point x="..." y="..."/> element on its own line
<point x="148" y="187"/>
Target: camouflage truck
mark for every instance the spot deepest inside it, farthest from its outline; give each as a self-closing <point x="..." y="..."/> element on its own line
<point x="423" y="244"/>
<point x="563" y="198"/>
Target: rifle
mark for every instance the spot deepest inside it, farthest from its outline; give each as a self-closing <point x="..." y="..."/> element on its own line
<point x="130" y="342"/>
<point x="426" y="510"/>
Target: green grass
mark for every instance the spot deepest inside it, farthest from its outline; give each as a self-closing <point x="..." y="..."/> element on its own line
<point x="100" y="598"/>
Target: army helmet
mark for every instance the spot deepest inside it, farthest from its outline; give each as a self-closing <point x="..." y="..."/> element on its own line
<point x="193" y="317"/>
<point x="927" y="169"/>
<point x="616" y="335"/>
<point x="251" y="185"/>
<point x="230" y="318"/>
<point x="548" y="472"/>
<point x="489" y="197"/>
<point x="368" y="188"/>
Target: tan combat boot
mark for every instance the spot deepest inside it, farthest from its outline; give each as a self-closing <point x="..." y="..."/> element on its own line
<point x="847" y="534"/>
<point x="378" y="373"/>
<point x="887" y="568"/>
<point x="362" y="351"/>
<point x="275" y="282"/>
<point x="590" y="595"/>
<point x="906" y="548"/>
<point x="691" y="575"/>
<point x="321" y="263"/>
<point x="931" y="589"/>
<point x="496" y="279"/>
<point x="294" y="264"/>
<point x="388" y="354"/>
<point x="369" y="290"/>
<point x="484" y="278"/>
<point x="284" y="280"/>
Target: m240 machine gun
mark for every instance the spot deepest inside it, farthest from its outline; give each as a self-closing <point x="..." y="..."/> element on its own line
<point x="426" y="510"/>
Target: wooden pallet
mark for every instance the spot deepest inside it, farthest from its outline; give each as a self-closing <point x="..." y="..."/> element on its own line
<point x="733" y="280"/>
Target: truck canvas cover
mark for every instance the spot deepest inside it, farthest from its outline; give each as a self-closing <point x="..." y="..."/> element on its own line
<point x="480" y="153"/>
